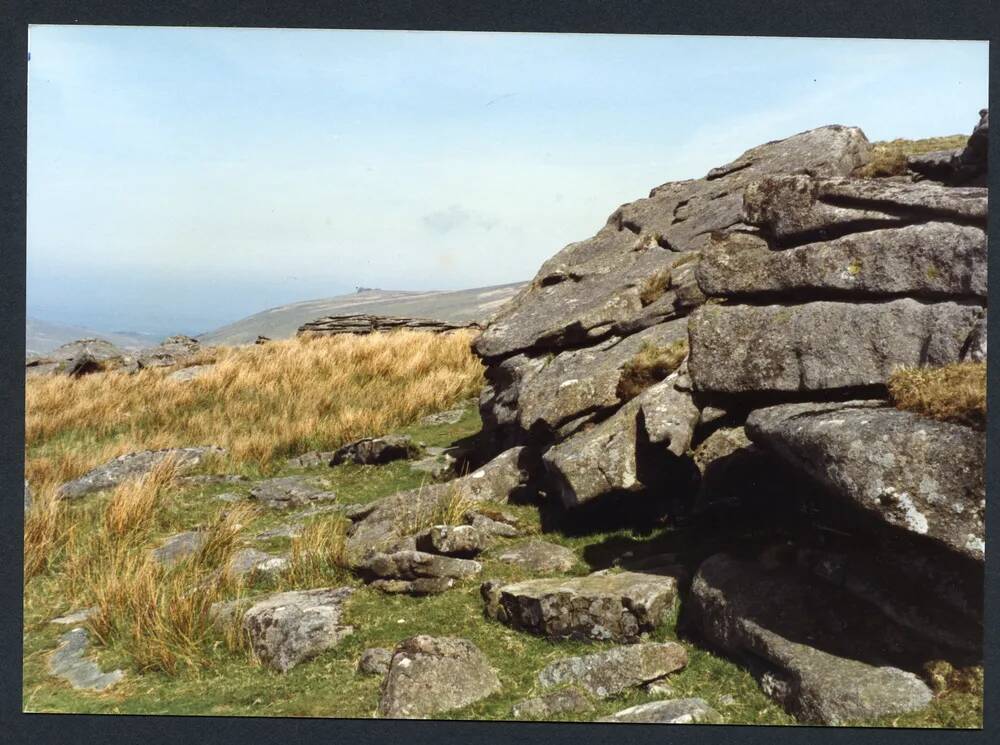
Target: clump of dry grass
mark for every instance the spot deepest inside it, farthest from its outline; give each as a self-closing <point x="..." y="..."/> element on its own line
<point x="889" y="158"/>
<point x="261" y="402"/>
<point x="319" y="551"/>
<point x="652" y="364"/>
<point x="134" y="502"/>
<point x="654" y="287"/>
<point x="449" y="508"/>
<point x="45" y="530"/>
<point x="952" y="393"/>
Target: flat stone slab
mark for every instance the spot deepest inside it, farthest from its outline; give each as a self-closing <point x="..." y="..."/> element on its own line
<point x="290" y="627"/>
<point x="570" y="700"/>
<point x="375" y="661"/>
<point x="539" y="557"/>
<point x="612" y="606"/>
<point x="921" y="475"/>
<point x="823" y="345"/>
<point x="312" y="459"/>
<point x="821" y="654"/>
<point x="68" y="662"/>
<point x="250" y="560"/>
<point x="186" y="374"/>
<point x="612" y="671"/>
<point x="429" y="675"/>
<point x="674" y="711"/>
<point x="179" y="547"/>
<point x="451" y="416"/>
<point x="376" y="450"/>
<point x="410" y="565"/>
<point x="133" y="465"/>
<point x="451" y="540"/>
<point x="287" y="492"/>
<point x="76" y="617"/>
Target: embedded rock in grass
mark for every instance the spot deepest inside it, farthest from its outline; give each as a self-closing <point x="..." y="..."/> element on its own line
<point x="290" y="627"/>
<point x="931" y="259"/>
<point x="429" y="675"/>
<point x="171" y="351"/>
<point x="451" y="540"/>
<point x="438" y="466"/>
<point x="583" y="293"/>
<point x="375" y="661"/>
<point x="410" y="565"/>
<point x="920" y="475"/>
<point x="674" y="711"/>
<point x="491" y="527"/>
<point x="75" y="617"/>
<point x="570" y="700"/>
<point x="312" y="459"/>
<point x="409" y="512"/>
<point x="68" y="662"/>
<point x="605" y="459"/>
<point x="286" y="492"/>
<point x="289" y="530"/>
<point x="539" y="557"/>
<point x="416" y="587"/>
<point x="451" y="416"/>
<point x="826" y="657"/>
<point x="189" y="373"/>
<point x="27" y="496"/>
<point x="616" y="606"/>
<point x="250" y="560"/>
<point x="821" y="346"/>
<point x="133" y="465"/>
<point x="76" y="358"/>
<point x="608" y="673"/>
<point x="178" y="547"/>
<point x="375" y="450"/>
<point x="800" y="209"/>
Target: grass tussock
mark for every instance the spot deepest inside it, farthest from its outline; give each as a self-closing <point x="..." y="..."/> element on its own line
<point x="889" y="158"/>
<point x="45" y="530"/>
<point x="652" y="364"/>
<point x="449" y="509"/>
<point x="133" y="504"/>
<point x="319" y="553"/>
<point x="952" y="393"/>
<point x="654" y="287"/>
<point x="260" y="402"/>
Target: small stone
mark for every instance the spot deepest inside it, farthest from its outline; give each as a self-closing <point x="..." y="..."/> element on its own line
<point x="674" y="711"/>
<point x="178" y="547"/>
<point x="539" y="557"/>
<point x="250" y="560"/>
<point x="451" y="540"/>
<point x="416" y="587"/>
<point x="451" y="416"/>
<point x="570" y="700"/>
<point x="415" y="564"/>
<point x="375" y="661"/>
<point x="608" y="673"/>
<point x="375" y="450"/>
<point x="76" y="617"/>
<point x="312" y="459"/>
<point x="68" y="662"/>
<point x="659" y="688"/>
<point x="286" y="492"/>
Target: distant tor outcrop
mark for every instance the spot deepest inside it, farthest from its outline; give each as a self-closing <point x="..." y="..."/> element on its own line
<point x="364" y="323"/>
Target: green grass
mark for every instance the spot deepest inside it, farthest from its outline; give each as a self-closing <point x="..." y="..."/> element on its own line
<point x="328" y="686"/>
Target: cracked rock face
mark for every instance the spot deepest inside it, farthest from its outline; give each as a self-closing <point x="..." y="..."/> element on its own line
<point x="429" y="675"/>
<point x="922" y="476"/>
<point x="824" y="656"/>
<point x="290" y="627"/>
<point x="616" y="606"/>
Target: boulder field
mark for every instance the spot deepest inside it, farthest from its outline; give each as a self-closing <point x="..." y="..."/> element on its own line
<point x="729" y="340"/>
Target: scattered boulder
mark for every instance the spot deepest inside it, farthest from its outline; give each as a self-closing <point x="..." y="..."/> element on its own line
<point x="451" y="416"/>
<point x="674" y="711"/>
<point x="822" y="346"/>
<point x="363" y="323"/>
<point x="189" y="373"/>
<point x="375" y="450"/>
<point x="411" y="565"/>
<point x="68" y="662"/>
<point x="75" y="617"/>
<point x="171" y="351"/>
<point x="439" y="466"/>
<point x="539" y="557"/>
<point x="817" y="651"/>
<point x="571" y="700"/>
<point x="611" y="672"/>
<point x="417" y="587"/>
<point x="262" y="339"/>
<point x="391" y="518"/>
<point x="134" y="465"/>
<point x="27" y="496"/>
<point x="451" y="540"/>
<point x="290" y="627"/>
<point x="178" y="547"/>
<point x="250" y="560"/>
<point x="375" y="661"/>
<point x="429" y="675"/>
<point x="286" y="492"/>
<point x="312" y="459"/>
<point x="491" y="527"/>
<point x="917" y="474"/>
<point x="609" y="606"/>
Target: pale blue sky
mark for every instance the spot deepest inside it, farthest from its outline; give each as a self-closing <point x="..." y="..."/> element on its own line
<point x="179" y="179"/>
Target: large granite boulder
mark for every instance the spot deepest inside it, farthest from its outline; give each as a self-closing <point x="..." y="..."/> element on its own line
<point x="289" y="627"/>
<point x="600" y="606"/>
<point x="820" y="346"/>
<point x="429" y="675"/>
<point x="134" y="465"/>
<point x="919" y="475"/>
<point x="825" y="656"/>
<point x="587" y="290"/>
<point x="613" y="671"/>
<point x="927" y="260"/>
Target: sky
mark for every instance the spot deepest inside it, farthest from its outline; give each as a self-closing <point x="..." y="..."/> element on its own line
<point x="182" y="178"/>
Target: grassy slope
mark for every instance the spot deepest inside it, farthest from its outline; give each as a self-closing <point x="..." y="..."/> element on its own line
<point x="329" y="686"/>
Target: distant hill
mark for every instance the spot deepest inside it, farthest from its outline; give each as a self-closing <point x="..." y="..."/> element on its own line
<point x="477" y="304"/>
<point x="42" y="337"/>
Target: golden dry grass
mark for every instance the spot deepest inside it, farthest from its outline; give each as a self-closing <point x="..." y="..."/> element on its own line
<point x="889" y="158"/>
<point x="654" y="287"/>
<point x="652" y="364"/>
<point x="260" y="402"/>
<point x="45" y="530"/>
<point x="319" y="551"/>
<point x="134" y="503"/>
<point x="952" y="393"/>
